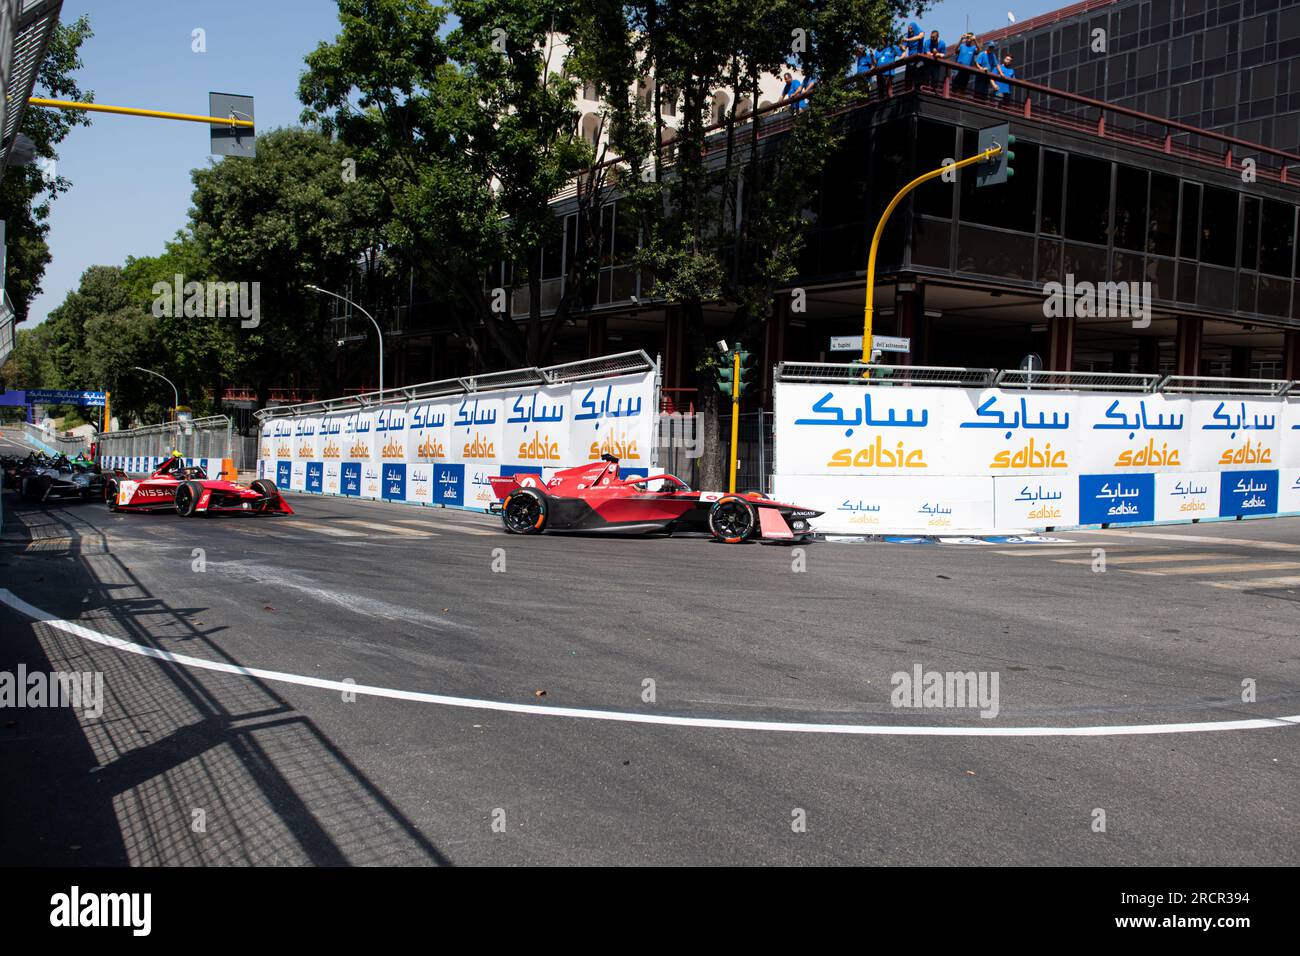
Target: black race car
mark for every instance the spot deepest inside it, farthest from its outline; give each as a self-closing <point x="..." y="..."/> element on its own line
<point x="60" y="479"/>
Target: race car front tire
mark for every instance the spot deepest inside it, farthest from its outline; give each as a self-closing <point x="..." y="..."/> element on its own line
<point x="187" y="498"/>
<point x="267" y="489"/>
<point x="732" y="520"/>
<point x="110" y="494"/>
<point x="524" y="512"/>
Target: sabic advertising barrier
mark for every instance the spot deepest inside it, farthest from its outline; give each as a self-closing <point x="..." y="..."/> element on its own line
<point x="442" y="450"/>
<point x="937" y="459"/>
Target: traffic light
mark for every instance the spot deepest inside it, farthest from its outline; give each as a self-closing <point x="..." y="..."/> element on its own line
<point x="726" y="371"/>
<point x="998" y="169"/>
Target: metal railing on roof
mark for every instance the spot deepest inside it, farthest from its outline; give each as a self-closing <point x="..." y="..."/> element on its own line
<point x="1208" y="385"/>
<point x="1082" y="381"/>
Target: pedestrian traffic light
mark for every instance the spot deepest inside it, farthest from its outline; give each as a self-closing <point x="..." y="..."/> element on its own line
<point x="998" y="168"/>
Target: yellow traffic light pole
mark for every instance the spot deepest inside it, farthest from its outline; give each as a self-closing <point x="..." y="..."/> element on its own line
<point x="132" y="111"/>
<point x="880" y="231"/>
<point x="735" y="415"/>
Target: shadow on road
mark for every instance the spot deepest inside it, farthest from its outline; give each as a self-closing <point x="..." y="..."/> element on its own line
<point x="183" y="767"/>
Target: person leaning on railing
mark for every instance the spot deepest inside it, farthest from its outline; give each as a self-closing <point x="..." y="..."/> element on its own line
<point x="967" y="49"/>
<point x="935" y="49"/>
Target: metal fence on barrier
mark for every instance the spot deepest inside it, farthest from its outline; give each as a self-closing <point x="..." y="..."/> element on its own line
<point x="606" y="366"/>
<point x="70" y="446"/>
<point x="852" y="373"/>
<point x="199" y="438"/>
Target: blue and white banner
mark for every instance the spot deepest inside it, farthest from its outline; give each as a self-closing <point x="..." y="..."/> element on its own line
<point x="463" y="440"/>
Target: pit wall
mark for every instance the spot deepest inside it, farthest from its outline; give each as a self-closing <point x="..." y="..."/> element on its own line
<point x="934" y="460"/>
<point x="441" y="451"/>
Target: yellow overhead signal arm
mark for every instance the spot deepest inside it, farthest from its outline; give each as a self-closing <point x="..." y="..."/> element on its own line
<point x="132" y="111"/>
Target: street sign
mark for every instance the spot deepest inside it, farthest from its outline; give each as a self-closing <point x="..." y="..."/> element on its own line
<point x="997" y="169"/>
<point x="232" y="140"/>
<point x="58" y="396"/>
<point x="883" y="343"/>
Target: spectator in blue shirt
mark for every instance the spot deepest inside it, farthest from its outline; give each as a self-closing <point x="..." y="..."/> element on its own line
<point x="934" y="48"/>
<point x="884" y="58"/>
<point x="1004" y="70"/>
<point x="866" y="59"/>
<point x="791" y="86"/>
<point x="967" y="48"/>
<point x="987" y="62"/>
<point x="913" y="38"/>
<point x="808" y="83"/>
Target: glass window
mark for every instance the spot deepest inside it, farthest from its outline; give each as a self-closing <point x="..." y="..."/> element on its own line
<point x="1250" y="233"/>
<point x="1219" y="226"/>
<point x="1162" y="227"/>
<point x="1130" y="207"/>
<point x="1008" y="205"/>
<point x="1049" y="220"/>
<point x="1277" y="238"/>
<point x="1087" y="199"/>
<point x="1189" y="227"/>
<point x="935" y="143"/>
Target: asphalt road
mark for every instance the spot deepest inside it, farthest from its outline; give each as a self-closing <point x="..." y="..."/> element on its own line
<point x="190" y="765"/>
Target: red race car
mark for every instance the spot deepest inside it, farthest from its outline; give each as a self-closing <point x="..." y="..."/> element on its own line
<point x="593" y="498"/>
<point x="189" y="491"/>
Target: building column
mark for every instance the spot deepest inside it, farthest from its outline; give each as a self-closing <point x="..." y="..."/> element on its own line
<point x="596" y="335"/>
<point x="1291" y="355"/>
<point x="1187" y="346"/>
<point x="1060" y="345"/>
<point x="909" y="317"/>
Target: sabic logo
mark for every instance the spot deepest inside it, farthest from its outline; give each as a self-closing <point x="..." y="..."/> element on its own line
<point x="1030" y="456"/>
<point x="1149" y="455"/>
<point x="432" y="448"/>
<point x="541" y="448"/>
<point x="283" y="451"/>
<point x="394" y="449"/>
<point x="622" y="448"/>
<point x="331" y="450"/>
<point x="359" y="450"/>
<point x="305" y="450"/>
<point x="479" y="448"/>
<point x="1247" y="454"/>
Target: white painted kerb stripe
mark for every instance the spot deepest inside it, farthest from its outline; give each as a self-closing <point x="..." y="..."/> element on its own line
<point x="718" y="723"/>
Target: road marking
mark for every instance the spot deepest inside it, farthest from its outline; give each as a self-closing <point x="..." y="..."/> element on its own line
<point x="1233" y="568"/>
<point x="626" y="717"/>
<point x="386" y="528"/>
<point x="1038" y="552"/>
<point x="333" y="532"/>
<point x="1291" y="582"/>
<point x="1146" y="558"/>
<point x="1200" y="539"/>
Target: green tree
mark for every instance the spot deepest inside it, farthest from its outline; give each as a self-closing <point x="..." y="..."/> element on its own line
<point x="284" y="219"/>
<point x="722" y="217"/>
<point x="26" y="192"/>
<point x="470" y="136"/>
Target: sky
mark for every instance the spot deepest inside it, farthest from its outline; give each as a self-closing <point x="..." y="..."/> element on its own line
<point x="131" y="176"/>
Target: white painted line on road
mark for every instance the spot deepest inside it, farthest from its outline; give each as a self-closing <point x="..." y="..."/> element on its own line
<point x="1199" y="539"/>
<point x="716" y="723"/>
<point x="1291" y="582"/>
<point x="448" y="526"/>
<point x="1231" y="568"/>
<point x="386" y="528"/>
<point x="333" y="532"/>
<point x="1147" y="558"/>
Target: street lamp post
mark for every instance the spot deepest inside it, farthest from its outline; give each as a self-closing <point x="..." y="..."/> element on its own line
<point x="176" y="395"/>
<point x="378" y="331"/>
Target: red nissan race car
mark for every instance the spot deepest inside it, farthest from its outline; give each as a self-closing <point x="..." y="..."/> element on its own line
<point x="593" y="498"/>
<point x="189" y="491"/>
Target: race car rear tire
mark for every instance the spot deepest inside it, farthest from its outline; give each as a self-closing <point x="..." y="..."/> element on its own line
<point x="732" y="520"/>
<point x="524" y="512"/>
<point x="110" y="494"/>
<point x="187" y="498"/>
